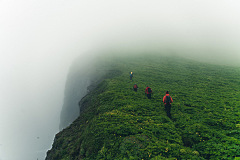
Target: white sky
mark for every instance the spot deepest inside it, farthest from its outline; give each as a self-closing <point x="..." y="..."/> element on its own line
<point x="40" y="39"/>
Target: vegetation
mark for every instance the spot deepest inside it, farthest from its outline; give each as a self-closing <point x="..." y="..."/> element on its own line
<point x="122" y="124"/>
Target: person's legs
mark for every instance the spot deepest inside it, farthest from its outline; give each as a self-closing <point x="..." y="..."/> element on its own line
<point x="149" y="96"/>
<point x="168" y="109"/>
<point x="135" y="89"/>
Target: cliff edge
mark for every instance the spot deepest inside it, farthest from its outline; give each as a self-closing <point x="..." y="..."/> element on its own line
<point x="118" y="123"/>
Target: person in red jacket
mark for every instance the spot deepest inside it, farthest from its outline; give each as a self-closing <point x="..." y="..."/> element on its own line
<point x="135" y="87"/>
<point x="148" y="91"/>
<point x="167" y="100"/>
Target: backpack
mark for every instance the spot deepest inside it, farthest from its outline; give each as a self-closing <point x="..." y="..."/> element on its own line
<point x="149" y="90"/>
<point x="168" y="100"/>
<point x="135" y="86"/>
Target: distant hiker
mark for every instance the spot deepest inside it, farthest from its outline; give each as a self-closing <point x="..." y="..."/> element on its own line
<point x="167" y="100"/>
<point x="148" y="91"/>
<point x="135" y="87"/>
<point x="131" y="75"/>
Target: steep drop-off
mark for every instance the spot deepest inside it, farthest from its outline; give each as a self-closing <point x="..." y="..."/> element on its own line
<point x="84" y="72"/>
<point x="118" y="123"/>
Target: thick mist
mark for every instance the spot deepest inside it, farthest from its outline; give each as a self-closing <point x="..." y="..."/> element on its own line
<point x="40" y="39"/>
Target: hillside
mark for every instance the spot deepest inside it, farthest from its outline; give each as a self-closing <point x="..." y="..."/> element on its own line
<point x="118" y="123"/>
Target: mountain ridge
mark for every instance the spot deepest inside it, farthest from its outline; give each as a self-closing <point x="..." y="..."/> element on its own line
<point x="119" y="123"/>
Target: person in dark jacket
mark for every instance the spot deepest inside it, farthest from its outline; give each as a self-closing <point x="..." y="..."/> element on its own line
<point x="135" y="87"/>
<point x="148" y="91"/>
<point x="167" y="100"/>
<point x="131" y="75"/>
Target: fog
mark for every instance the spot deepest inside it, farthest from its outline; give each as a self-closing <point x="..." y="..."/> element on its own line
<point x="40" y="39"/>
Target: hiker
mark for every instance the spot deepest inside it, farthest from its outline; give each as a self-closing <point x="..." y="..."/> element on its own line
<point x="148" y="91"/>
<point x="135" y="87"/>
<point x="167" y="100"/>
<point x="131" y="75"/>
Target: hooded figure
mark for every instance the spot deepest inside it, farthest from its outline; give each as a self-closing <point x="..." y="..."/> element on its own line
<point x="148" y="91"/>
<point x="135" y="87"/>
<point x="167" y="100"/>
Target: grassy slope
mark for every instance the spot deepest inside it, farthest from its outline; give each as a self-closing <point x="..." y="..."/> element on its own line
<point x="120" y="123"/>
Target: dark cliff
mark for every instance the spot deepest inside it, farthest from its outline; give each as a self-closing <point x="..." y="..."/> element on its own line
<point x="84" y="72"/>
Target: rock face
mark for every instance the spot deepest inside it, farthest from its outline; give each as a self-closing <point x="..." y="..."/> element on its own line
<point x="59" y="144"/>
<point x="80" y="76"/>
<point x="75" y="89"/>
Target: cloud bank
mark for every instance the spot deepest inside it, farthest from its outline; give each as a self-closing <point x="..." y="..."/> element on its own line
<point x="40" y="39"/>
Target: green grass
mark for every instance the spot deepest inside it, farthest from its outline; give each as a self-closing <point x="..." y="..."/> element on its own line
<point x="122" y="124"/>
